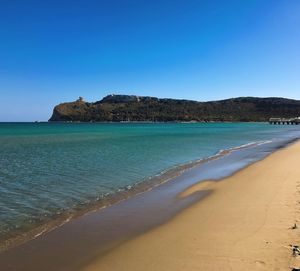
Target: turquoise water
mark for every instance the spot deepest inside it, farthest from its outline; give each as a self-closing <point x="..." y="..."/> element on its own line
<point x="50" y="169"/>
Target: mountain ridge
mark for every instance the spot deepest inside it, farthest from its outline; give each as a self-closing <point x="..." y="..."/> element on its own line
<point x="117" y="108"/>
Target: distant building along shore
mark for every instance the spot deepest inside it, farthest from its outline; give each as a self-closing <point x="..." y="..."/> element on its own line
<point x="292" y="121"/>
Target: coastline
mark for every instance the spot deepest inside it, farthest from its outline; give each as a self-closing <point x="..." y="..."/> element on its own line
<point x="246" y="223"/>
<point x="99" y="232"/>
<point x="123" y="194"/>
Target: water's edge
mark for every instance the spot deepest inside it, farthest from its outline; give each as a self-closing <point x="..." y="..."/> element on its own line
<point x="123" y="194"/>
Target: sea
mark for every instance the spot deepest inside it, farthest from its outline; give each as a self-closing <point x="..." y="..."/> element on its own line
<point x="55" y="171"/>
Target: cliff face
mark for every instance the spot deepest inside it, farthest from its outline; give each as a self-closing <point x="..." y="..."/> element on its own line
<point x="135" y="108"/>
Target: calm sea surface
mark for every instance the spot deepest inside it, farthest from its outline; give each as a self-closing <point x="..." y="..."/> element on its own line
<point x="50" y="169"/>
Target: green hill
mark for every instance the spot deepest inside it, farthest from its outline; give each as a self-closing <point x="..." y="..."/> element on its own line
<point x="118" y="108"/>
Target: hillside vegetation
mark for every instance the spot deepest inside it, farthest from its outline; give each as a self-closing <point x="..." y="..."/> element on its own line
<point x="118" y="108"/>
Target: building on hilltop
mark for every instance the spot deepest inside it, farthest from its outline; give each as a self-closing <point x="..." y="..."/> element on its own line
<point x="80" y="99"/>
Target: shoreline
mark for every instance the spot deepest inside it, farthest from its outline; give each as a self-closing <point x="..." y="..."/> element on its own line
<point x="24" y="254"/>
<point x="123" y="194"/>
<point x="248" y="222"/>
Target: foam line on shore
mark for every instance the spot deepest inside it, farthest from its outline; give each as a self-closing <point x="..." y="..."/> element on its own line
<point x="249" y="222"/>
<point x="121" y="195"/>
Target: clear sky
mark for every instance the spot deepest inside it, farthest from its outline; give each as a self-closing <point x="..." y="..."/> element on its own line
<point x="54" y="51"/>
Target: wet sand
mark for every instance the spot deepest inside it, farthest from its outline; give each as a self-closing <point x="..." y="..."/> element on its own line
<point x="246" y="223"/>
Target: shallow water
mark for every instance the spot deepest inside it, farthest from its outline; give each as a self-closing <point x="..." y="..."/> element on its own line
<point x="49" y="169"/>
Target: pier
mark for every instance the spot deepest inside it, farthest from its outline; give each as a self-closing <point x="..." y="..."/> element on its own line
<point x="283" y="121"/>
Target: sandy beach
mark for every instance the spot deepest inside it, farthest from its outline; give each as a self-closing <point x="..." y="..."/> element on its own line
<point x="246" y="223"/>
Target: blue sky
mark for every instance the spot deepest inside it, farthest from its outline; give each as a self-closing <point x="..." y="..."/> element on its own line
<point x="54" y="51"/>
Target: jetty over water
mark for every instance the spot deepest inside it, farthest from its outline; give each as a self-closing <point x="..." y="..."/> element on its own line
<point x="291" y="121"/>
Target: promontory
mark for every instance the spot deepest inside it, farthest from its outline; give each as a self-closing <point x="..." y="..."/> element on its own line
<point x="118" y="108"/>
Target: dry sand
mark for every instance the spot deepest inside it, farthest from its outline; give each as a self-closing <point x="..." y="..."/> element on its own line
<point x="245" y="224"/>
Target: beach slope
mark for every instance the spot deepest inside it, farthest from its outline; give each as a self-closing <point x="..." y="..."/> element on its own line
<point x="246" y="223"/>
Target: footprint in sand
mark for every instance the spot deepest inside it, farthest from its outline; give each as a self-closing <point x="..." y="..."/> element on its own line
<point x="260" y="263"/>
